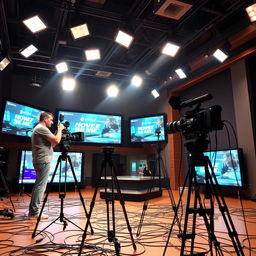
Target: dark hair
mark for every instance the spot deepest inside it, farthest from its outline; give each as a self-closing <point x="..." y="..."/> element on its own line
<point x="44" y="115"/>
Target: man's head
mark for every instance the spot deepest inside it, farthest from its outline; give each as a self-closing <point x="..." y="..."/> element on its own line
<point x="46" y="118"/>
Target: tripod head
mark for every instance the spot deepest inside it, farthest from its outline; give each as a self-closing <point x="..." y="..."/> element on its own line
<point x="108" y="151"/>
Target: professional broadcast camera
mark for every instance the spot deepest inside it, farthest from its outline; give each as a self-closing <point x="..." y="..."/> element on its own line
<point x="196" y="123"/>
<point x="67" y="137"/>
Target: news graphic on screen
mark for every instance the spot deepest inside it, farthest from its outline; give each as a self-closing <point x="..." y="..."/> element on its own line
<point x="97" y="128"/>
<point x="30" y="173"/>
<point x="226" y="165"/>
<point x="148" y="129"/>
<point x="19" y="119"/>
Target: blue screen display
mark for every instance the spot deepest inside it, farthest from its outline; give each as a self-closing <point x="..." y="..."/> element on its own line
<point x="30" y="173"/>
<point x="226" y="166"/>
<point x="148" y="129"/>
<point x="19" y="119"/>
<point x="97" y="128"/>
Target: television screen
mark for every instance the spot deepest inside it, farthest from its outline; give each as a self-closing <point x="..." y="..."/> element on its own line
<point x="30" y="173"/>
<point x="148" y="129"/>
<point x="97" y="128"/>
<point x="19" y="119"/>
<point x="226" y="165"/>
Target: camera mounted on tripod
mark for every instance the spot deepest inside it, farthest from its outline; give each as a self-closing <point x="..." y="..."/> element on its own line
<point x="195" y="124"/>
<point x="67" y="137"/>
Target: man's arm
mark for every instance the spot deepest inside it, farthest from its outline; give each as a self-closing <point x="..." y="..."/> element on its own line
<point x="55" y="139"/>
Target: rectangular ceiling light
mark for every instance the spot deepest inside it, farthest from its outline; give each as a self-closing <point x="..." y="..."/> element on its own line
<point x="61" y="67"/>
<point x="29" y="51"/>
<point x="124" y="39"/>
<point x="80" y="31"/>
<point x="180" y="73"/>
<point x="4" y="63"/>
<point x="251" y="11"/>
<point x="93" y="54"/>
<point x="155" y="93"/>
<point x="35" y="24"/>
<point x="220" y="55"/>
<point x="170" y="49"/>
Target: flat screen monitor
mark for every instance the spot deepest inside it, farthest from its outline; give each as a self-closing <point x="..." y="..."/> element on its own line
<point x="97" y="128"/>
<point x="227" y="165"/>
<point x="148" y="128"/>
<point x="30" y="173"/>
<point x="19" y="119"/>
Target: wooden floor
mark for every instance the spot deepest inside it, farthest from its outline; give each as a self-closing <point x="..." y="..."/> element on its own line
<point x="56" y="239"/>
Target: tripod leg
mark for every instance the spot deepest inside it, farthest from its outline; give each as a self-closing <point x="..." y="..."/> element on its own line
<point x="45" y="199"/>
<point x="121" y="200"/>
<point x="6" y="189"/>
<point x="79" y="191"/>
<point x="224" y="211"/>
<point x="91" y="208"/>
<point x="175" y="214"/>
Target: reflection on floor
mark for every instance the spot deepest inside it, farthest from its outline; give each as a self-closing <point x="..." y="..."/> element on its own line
<point x="58" y="239"/>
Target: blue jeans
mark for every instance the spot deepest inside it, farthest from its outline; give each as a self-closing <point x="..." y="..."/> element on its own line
<point x="42" y="174"/>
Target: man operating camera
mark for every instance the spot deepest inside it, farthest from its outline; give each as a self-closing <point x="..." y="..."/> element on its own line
<point x="43" y="142"/>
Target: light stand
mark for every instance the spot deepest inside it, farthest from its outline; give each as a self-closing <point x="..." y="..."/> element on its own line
<point x="159" y="165"/>
<point x="63" y="157"/>
<point x="196" y="158"/>
<point x="22" y="189"/>
<point x="110" y="201"/>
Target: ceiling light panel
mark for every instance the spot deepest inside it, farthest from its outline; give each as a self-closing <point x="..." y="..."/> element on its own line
<point x="34" y="24"/>
<point x="124" y="39"/>
<point x="29" y="51"/>
<point x="80" y="31"/>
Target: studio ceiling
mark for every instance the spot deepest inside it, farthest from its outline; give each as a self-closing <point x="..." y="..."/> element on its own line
<point x="204" y="27"/>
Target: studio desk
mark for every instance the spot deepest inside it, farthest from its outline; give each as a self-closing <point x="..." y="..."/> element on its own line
<point x="134" y="188"/>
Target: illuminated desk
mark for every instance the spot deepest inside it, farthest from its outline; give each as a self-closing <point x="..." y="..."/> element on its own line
<point x="134" y="188"/>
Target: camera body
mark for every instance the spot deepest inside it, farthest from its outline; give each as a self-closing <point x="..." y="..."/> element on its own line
<point x="67" y="137"/>
<point x="197" y="121"/>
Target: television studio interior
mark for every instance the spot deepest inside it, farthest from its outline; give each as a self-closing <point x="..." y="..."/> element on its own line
<point x="127" y="127"/>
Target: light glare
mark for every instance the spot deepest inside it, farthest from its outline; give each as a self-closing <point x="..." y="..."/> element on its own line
<point x="93" y="54"/>
<point x="251" y="11"/>
<point x="62" y="67"/>
<point x="80" y="31"/>
<point x="124" y="39"/>
<point x="155" y="93"/>
<point x="220" y="55"/>
<point x="137" y="80"/>
<point x="170" y="49"/>
<point x="4" y="63"/>
<point x="68" y="83"/>
<point x="112" y="91"/>
<point x="180" y="73"/>
<point x="29" y="51"/>
<point x="35" y="24"/>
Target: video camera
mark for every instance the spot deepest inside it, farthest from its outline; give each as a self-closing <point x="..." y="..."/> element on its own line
<point x="67" y="137"/>
<point x="198" y="121"/>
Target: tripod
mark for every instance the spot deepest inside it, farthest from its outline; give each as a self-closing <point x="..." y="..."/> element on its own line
<point x="63" y="157"/>
<point x="4" y="182"/>
<point x="196" y="158"/>
<point x="110" y="202"/>
<point x="159" y="165"/>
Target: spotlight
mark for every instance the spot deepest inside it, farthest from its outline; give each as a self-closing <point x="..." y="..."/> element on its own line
<point x="4" y="63"/>
<point x="155" y="93"/>
<point x="170" y="49"/>
<point x="61" y="67"/>
<point x="180" y="73"/>
<point x="68" y="83"/>
<point x="137" y="80"/>
<point x="35" y="24"/>
<point x="220" y="55"/>
<point x="93" y="54"/>
<point x="80" y="31"/>
<point x="112" y="91"/>
<point x="251" y="11"/>
<point x="29" y="51"/>
<point x="124" y="39"/>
